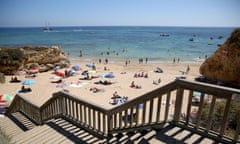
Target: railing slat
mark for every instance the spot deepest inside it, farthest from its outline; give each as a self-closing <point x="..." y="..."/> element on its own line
<point x="199" y="113"/>
<point x="150" y="111"/>
<point x="94" y="119"/>
<point x="167" y="106"/>
<point x="126" y="117"/>
<point x="178" y="105"/>
<point x="225" y="116"/>
<point x="159" y="108"/>
<point x="137" y="114"/>
<point x="210" y="115"/>
<point x="189" y="106"/>
<point x="144" y="112"/>
<point x="132" y="117"/>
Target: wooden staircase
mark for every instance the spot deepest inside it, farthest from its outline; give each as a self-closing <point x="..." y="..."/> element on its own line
<point x="147" y="119"/>
<point x="60" y="130"/>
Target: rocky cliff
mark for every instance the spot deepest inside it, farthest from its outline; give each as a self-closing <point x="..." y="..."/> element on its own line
<point x="224" y="64"/>
<point x="43" y="58"/>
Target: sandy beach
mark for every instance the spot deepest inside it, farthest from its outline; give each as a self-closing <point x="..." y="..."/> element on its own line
<point x="123" y="77"/>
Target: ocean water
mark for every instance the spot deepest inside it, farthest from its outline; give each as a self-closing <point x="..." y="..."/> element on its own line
<point x="121" y="43"/>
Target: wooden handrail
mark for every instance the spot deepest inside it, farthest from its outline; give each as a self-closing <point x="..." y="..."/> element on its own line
<point x="146" y="111"/>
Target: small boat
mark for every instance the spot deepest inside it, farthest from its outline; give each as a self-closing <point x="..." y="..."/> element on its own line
<point x="164" y="35"/>
<point x="47" y="28"/>
<point x="191" y="39"/>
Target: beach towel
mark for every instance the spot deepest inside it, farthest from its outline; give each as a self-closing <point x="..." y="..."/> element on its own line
<point x="78" y="84"/>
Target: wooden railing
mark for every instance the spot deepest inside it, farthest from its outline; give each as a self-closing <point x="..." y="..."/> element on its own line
<point x="170" y="103"/>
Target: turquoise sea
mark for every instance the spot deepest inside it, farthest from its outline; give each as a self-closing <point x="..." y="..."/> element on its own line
<point x="123" y="42"/>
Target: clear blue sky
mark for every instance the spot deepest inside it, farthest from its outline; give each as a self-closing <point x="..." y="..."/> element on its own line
<point x="120" y="12"/>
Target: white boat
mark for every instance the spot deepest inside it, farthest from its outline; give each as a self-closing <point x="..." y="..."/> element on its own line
<point x="47" y="28"/>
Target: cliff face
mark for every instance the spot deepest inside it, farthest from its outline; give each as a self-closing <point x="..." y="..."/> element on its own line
<point x="44" y="58"/>
<point x="224" y="64"/>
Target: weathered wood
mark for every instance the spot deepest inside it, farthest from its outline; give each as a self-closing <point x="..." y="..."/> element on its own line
<point x="178" y="105"/>
<point x="189" y="106"/>
<point x="150" y="111"/>
<point x="167" y="106"/>
<point x="225" y="116"/>
<point x="199" y="113"/>
<point x="84" y="113"/>
<point x="144" y="112"/>
<point x="94" y="119"/>
<point x="237" y="132"/>
<point x="220" y="91"/>
<point x="210" y="115"/>
<point x="159" y="108"/>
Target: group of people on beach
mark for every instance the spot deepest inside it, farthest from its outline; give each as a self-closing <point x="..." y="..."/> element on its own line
<point x="139" y="75"/>
<point x="117" y="99"/>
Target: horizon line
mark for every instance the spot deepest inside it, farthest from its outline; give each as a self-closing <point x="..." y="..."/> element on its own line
<point x="118" y="26"/>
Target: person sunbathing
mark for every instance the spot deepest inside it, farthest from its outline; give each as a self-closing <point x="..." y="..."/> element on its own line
<point x="58" y="81"/>
<point x="95" y="90"/>
<point x="105" y="82"/>
<point x="23" y="89"/>
<point x="133" y="85"/>
<point x="15" y="80"/>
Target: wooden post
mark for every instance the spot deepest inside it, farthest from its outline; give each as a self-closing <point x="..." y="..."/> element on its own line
<point x="178" y="106"/>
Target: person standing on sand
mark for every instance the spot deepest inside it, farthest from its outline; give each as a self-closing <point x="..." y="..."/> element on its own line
<point x="80" y="53"/>
<point x="146" y="60"/>
<point x="188" y="69"/>
<point x="106" y="61"/>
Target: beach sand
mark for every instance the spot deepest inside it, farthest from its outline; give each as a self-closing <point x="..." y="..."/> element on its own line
<point x="124" y="75"/>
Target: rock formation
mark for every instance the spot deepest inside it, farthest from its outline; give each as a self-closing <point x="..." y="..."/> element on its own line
<point x="43" y="58"/>
<point x="224" y="64"/>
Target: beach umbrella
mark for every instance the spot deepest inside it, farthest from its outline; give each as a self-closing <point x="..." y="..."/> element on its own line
<point x="28" y="82"/>
<point x="109" y="76"/>
<point x="76" y="67"/>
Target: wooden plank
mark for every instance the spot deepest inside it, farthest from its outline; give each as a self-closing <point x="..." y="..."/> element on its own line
<point x="237" y="132"/>
<point x="126" y="117"/>
<point x="159" y="108"/>
<point x="115" y="120"/>
<point x="137" y="114"/>
<point x="225" y="116"/>
<point x="210" y="115"/>
<point x="73" y="110"/>
<point x="80" y="112"/>
<point x="199" y="113"/>
<point x="132" y="117"/>
<point x="77" y="110"/>
<point x="144" y="113"/>
<point x="189" y="105"/>
<point x="89" y="117"/>
<point x="150" y="111"/>
<point x="99" y="121"/>
<point x="167" y="106"/>
<point x="104" y="123"/>
<point x="120" y="119"/>
<point x="94" y="118"/>
<point x="85" y="114"/>
<point x="178" y="106"/>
